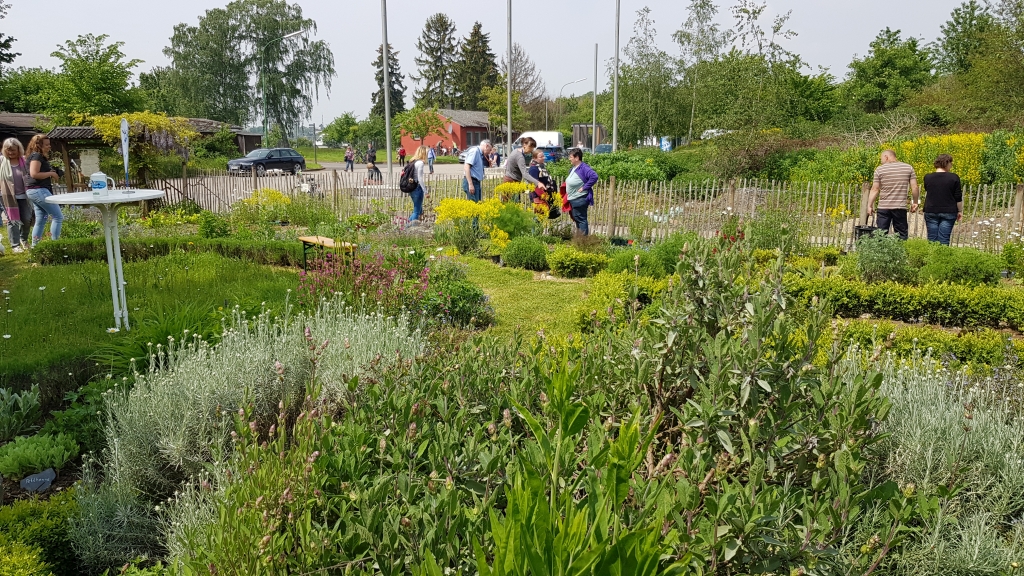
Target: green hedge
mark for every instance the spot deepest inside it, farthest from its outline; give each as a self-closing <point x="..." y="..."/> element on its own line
<point x="943" y="304"/>
<point x="274" y="253"/>
<point x="984" y="347"/>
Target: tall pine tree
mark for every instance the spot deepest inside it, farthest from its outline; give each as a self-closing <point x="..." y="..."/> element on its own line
<point x="438" y="48"/>
<point x="475" y="70"/>
<point x="396" y="79"/>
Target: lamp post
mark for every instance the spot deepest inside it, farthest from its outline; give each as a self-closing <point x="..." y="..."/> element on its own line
<point x="387" y="84"/>
<point x="263" y="75"/>
<point x="615" y="85"/>
<point x="593" y="135"/>
<point x="560" y="96"/>
<point x="508" y="131"/>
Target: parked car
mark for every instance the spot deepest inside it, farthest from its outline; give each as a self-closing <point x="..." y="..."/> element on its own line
<point x="552" y="153"/>
<point x="264" y="159"/>
<point x="603" y="149"/>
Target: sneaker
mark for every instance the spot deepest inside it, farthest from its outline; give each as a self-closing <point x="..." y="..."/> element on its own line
<point x="18" y="249"/>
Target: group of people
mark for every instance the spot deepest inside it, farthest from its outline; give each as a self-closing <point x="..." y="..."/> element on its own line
<point x="26" y="181"/>
<point x="944" y="199"/>
<point x="577" y="190"/>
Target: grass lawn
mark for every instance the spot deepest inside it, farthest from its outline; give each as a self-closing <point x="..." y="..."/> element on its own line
<point x="57" y="314"/>
<point x="523" y="302"/>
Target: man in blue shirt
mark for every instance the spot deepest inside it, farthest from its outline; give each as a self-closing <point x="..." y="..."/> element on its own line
<point x="474" y="170"/>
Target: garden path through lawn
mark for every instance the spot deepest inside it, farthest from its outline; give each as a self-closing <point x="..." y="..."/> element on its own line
<point x="525" y="300"/>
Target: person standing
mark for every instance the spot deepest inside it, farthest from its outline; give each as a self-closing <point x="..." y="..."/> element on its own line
<point x="430" y="158"/>
<point x="516" y="167"/>
<point x="419" y="159"/>
<point x="12" y="190"/>
<point x="39" y="187"/>
<point x="371" y="154"/>
<point x="891" y="182"/>
<point x="350" y="159"/>
<point x="401" y="155"/>
<point x="473" y="170"/>
<point x="579" y="190"/>
<point x="943" y="200"/>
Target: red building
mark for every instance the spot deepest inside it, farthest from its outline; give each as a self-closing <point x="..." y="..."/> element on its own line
<point x="464" y="128"/>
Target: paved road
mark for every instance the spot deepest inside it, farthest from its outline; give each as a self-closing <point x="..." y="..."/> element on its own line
<point x="443" y="169"/>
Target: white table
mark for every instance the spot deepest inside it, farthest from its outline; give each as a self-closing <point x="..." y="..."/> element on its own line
<point x="108" y="208"/>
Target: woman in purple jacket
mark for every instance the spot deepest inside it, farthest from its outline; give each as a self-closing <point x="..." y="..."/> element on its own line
<point x="579" y="190"/>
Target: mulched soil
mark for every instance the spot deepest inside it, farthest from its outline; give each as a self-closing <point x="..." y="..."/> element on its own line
<point x="12" y="491"/>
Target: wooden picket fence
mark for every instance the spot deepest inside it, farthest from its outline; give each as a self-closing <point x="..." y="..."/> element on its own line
<point x="826" y="213"/>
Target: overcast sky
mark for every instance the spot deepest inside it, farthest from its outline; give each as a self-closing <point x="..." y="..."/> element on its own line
<point x="558" y="35"/>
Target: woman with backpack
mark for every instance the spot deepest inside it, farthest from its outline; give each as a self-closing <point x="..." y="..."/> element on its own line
<point x="419" y="160"/>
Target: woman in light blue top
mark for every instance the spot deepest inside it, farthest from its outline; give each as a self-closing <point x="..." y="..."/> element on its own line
<point x="579" y="190"/>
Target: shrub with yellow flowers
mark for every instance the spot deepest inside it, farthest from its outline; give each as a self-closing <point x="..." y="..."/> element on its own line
<point x="507" y="190"/>
<point x="460" y="221"/>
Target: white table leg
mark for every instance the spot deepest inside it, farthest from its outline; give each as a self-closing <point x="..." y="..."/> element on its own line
<point x="120" y="271"/>
<point x="109" y="229"/>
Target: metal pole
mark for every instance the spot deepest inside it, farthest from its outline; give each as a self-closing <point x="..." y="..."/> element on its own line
<point x="263" y="78"/>
<point x="387" y="83"/>
<point x="615" y="85"/>
<point x="508" y="126"/>
<point x="545" y="113"/>
<point x="593" y="128"/>
<point x="314" y="141"/>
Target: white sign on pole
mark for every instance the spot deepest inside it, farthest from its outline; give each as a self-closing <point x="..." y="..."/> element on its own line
<point x="124" y="148"/>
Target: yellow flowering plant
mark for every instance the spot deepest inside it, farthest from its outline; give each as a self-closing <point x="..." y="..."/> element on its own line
<point x="506" y="190"/>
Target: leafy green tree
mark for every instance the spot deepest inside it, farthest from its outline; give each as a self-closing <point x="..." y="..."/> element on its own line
<point x="436" y="64"/>
<point x="893" y="69"/>
<point x="396" y="79"/>
<point x="962" y="36"/>
<point x="7" y="55"/>
<point x="647" y="96"/>
<point x="700" y="39"/>
<point x="341" y="130"/>
<point x="221" y="62"/>
<point x="475" y="69"/>
<point x="27" y="89"/>
<point x="94" y="78"/>
<point x="495" y="100"/>
<point x="421" y="122"/>
<point x="814" y="97"/>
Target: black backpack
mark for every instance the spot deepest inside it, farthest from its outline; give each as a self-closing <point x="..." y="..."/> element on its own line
<point x="408" y="183"/>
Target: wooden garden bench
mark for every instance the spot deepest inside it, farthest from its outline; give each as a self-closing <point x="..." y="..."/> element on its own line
<point x="323" y="243"/>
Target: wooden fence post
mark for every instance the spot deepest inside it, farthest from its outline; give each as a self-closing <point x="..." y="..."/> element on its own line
<point x="865" y="192"/>
<point x="1018" y="205"/>
<point x="611" y="206"/>
<point x="732" y="196"/>
<point x="252" y="170"/>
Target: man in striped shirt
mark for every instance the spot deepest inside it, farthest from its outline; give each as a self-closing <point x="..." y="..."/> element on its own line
<point x="892" y="181"/>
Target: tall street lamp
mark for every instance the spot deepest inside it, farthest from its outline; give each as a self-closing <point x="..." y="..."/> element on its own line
<point x="387" y="84"/>
<point x="615" y="85"/>
<point x="263" y="75"/>
<point x="560" y="97"/>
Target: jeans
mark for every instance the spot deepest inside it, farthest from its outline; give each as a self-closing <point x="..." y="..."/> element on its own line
<point x="350" y="166"/>
<point x="579" y="214"/>
<point x="17" y="231"/>
<point x="940" y="226"/>
<point x="477" y="194"/>
<point x="430" y="163"/>
<point x="44" y="210"/>
<point x="401" y="160"/>
<point x="417" y="203"/>
<point x="897" y="217"/>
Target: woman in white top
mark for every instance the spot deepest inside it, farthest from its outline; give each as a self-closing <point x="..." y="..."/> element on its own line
<point x="419" y="160"/>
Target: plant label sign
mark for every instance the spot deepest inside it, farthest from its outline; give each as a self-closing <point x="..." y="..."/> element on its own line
<point x="39" y="482"/>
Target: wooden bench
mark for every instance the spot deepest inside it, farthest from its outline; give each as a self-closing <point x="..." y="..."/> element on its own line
<point x="323" y="242"/>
